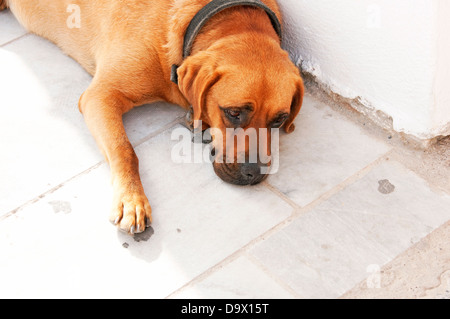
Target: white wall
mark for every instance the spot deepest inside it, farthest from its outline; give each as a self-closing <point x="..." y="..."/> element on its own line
<point x="441" y="107"/>
<point x="392" y="54"/>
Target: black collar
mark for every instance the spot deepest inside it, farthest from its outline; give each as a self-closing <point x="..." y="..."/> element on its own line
<point x="210" y="10"/>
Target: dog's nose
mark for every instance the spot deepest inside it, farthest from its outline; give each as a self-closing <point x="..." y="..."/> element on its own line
<point x="251" y="173"/>
<point x="241" y="174"/>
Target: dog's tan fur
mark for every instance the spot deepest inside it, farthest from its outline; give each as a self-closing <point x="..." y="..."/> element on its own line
<point x="129" y="47"/>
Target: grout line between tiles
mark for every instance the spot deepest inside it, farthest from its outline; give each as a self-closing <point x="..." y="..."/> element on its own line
<point x="274" y="277"/>
<point x="55" y="188"/>
<point x="280" y="194"/>
<point x="15" y="39"/>
<point x="221" y="264"/>
<point x="178" y="120"/>
<point x="50" y="191"/>
<point x="344" y="184"/>
<point x="298" y="211"/>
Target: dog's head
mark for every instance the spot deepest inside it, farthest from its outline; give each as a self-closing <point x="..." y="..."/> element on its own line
<point x="245" y="87"/>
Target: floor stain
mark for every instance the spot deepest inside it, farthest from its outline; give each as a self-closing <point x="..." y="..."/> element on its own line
<point x="385" y="187"/>
<point x="145" y="236"/>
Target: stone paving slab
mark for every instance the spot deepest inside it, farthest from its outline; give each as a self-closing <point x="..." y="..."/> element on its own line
<point x="324" y="150"/>
<point x="241" y="279"/>
<point x="329" y="249"/>
<point x="10" y="29"/>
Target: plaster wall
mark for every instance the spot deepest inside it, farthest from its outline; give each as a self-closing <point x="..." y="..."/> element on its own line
<point x="394" y="56"/>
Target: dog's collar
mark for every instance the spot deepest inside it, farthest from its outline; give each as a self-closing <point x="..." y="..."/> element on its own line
<point x="209" y="11"/>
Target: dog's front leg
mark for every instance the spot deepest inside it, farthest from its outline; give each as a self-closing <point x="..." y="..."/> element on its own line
<point x="103" y="111"/>
<point x="2" y="4"/>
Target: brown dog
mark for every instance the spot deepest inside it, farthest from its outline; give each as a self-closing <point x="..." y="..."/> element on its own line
<point x="236" y="75"/>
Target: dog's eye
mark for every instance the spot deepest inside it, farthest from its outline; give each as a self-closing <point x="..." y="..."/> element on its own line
<point x="233" y="115"/>
<point x="238" y="116"/>
<point x="279" y="121"/>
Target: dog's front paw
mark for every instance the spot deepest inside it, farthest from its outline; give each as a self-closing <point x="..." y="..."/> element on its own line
<point x="131" y="211"/>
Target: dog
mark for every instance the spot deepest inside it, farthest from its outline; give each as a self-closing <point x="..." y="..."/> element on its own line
<point x="234" y="74"/>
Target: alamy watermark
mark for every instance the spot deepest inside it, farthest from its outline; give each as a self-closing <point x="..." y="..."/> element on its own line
<point x="374" y="279"/>
<point x="74" y="19"/>
<point x="237" y="146"/>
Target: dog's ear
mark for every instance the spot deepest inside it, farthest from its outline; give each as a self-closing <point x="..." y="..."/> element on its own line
<point x="196" y="76"/>
<point x="296" y="105"/>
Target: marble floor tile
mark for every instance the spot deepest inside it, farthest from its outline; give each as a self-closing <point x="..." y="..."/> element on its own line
<point x="323" y="151"/>
<point x="10" y="29"/>
<point x="241" y="279"/>
<point x="329" y="249"/>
